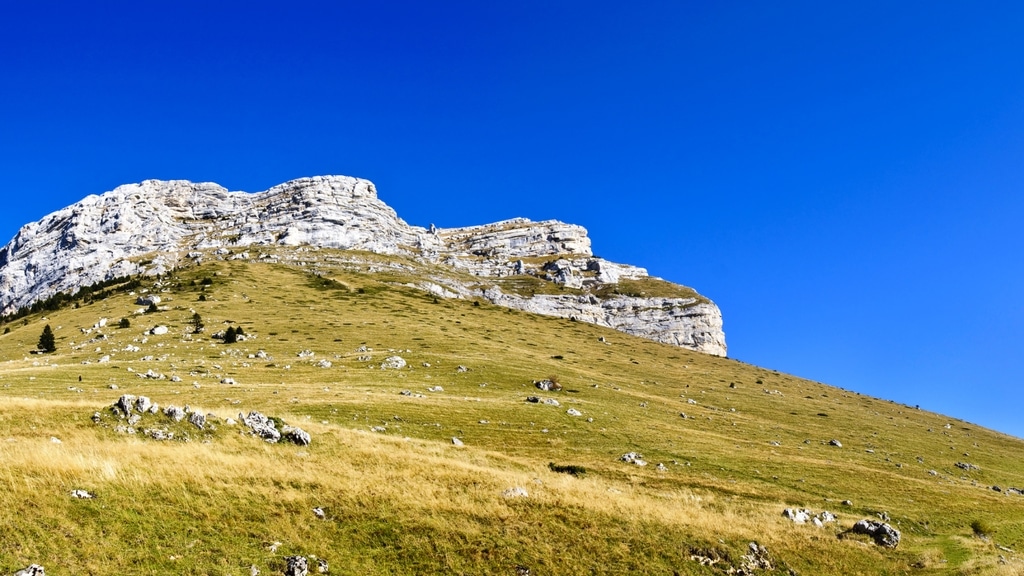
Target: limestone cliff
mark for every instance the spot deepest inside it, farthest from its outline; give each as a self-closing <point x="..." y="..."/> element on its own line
<point x="154" y="226"/>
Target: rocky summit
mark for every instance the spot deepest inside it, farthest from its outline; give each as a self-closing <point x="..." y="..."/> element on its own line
<point x="156" y="226"/>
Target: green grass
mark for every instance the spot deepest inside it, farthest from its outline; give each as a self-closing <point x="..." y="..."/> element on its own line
<point x="407" y="500"/>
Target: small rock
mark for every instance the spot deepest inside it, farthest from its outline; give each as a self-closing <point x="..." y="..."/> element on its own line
<point x="551" y="402"/>
<point x="633" y="458"/>
<point x="158" y="330"/>
<point x="296" y="436"/>
<point x="296" y="566"/>
<point x="548" y="385"/>
<point x="836" y="443"/>
<point x="174" y="413"/>
<point x="881" y="533"/>
<point x="319" y="513"/>
<point x="378" y="429"/>
<point x="798" y="516"/>
<point x="532" y="399"/>
<point x="393" y="363"/>
<point x="573" y="412"/>
<point x="32" y="570"/>
<point x="516" y="492"/>
<point x="435" y="389"/>
<point x="228" y="381"/>
<point x="82" y="495"/>
<point x="261" y="426"/>
<point x="198" y="420"/>
<point x="322" y="567"/>
<point x="457" y="442"/>
<point x="661" y="467"/>
<point x="55" y="440"/>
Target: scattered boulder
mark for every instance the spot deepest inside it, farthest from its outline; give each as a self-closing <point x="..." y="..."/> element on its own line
<point x="533" y="399"/>
<point x="573" y="412"/>
<point x="296" y="566"/>
<point x="516" y="492"/>
<point x="198" y="420"/>
<point x="143" y="404"/>
<point x="319" y="513"/>
<point x="755" y="559"/>
<point x="322" y="566"/>
<point x="159" y="330"/>
<point x="261" y="426"/>
<point x="882" y="533"/>
<point x="836" y="443"/>
<point x="324" y="364"/>
<point x="966" y="466"/>
<point x="174" y="413"/>
<point x="147" y="300"/>
<point x="296" y="435"/>
<point x="82" y="495"/>
<point x="228" y="381"/>
<point x="393" y="363"/>
<point x="457" y="442"/>
<point x="551" y="402"/>
<point x="32" y="570"/>
<point x="633" y="458"/>
<point x="548" y="385"/>
<point x="460" y="369"/>
<point x="803" y="516"/>
<point x="798" y="516"/>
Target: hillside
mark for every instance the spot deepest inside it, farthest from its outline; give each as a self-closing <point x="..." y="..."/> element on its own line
<point x="396" y="494"/>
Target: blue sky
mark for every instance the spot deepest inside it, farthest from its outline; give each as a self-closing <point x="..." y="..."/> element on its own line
<point x="845" y="182"/>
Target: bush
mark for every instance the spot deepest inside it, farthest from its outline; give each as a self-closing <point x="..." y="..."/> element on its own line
<point x="202" y="297"/>
<point x="47" y="343"/>
<point x="571" y="469"/>
<point x="124" y="323"/>
<point x="981" y="528"/>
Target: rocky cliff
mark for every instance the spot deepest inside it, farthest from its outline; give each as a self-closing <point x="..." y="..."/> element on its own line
<point x="154" y="226"/>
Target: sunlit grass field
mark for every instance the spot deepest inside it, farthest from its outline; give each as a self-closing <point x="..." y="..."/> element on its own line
<point x="400" y="497"/>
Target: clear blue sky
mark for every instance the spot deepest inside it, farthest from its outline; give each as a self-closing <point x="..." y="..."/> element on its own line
<point x="843" y="179"/>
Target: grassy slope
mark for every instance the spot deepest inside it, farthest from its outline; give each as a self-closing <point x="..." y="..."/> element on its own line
<point x="408" y="501"/>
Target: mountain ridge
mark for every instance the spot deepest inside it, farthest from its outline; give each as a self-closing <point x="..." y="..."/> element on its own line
<point x="152" y="227"/>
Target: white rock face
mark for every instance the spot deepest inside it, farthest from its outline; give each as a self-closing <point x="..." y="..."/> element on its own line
<point x="151" y="227"/>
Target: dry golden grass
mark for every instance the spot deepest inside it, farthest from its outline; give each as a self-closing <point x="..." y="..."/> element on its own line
<point x="407" y="500"/>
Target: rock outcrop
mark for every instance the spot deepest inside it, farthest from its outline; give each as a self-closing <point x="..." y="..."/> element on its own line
<point x="155" y="226"/>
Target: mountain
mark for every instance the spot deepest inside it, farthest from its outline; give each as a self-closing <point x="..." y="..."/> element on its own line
<point x="253" y="408"/>
<point x="155" y="226"/>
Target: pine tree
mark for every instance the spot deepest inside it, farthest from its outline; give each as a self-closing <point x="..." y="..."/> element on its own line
<point x="230" y="337"/>
<point x="47" y="343"/>
<point x="197" y="323"/>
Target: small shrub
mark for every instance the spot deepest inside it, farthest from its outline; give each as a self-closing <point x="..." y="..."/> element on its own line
<point x="981" y="527"/>
<point x="207" y="281"/>
<point x="124" y="323"/>
<point x="202" y="297"/>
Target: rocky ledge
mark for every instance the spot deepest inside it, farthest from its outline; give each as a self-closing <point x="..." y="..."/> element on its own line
<point x="155" y="226"/>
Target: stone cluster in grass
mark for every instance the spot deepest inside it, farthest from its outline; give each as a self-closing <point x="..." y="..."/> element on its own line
<point x="138" y="414"/>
